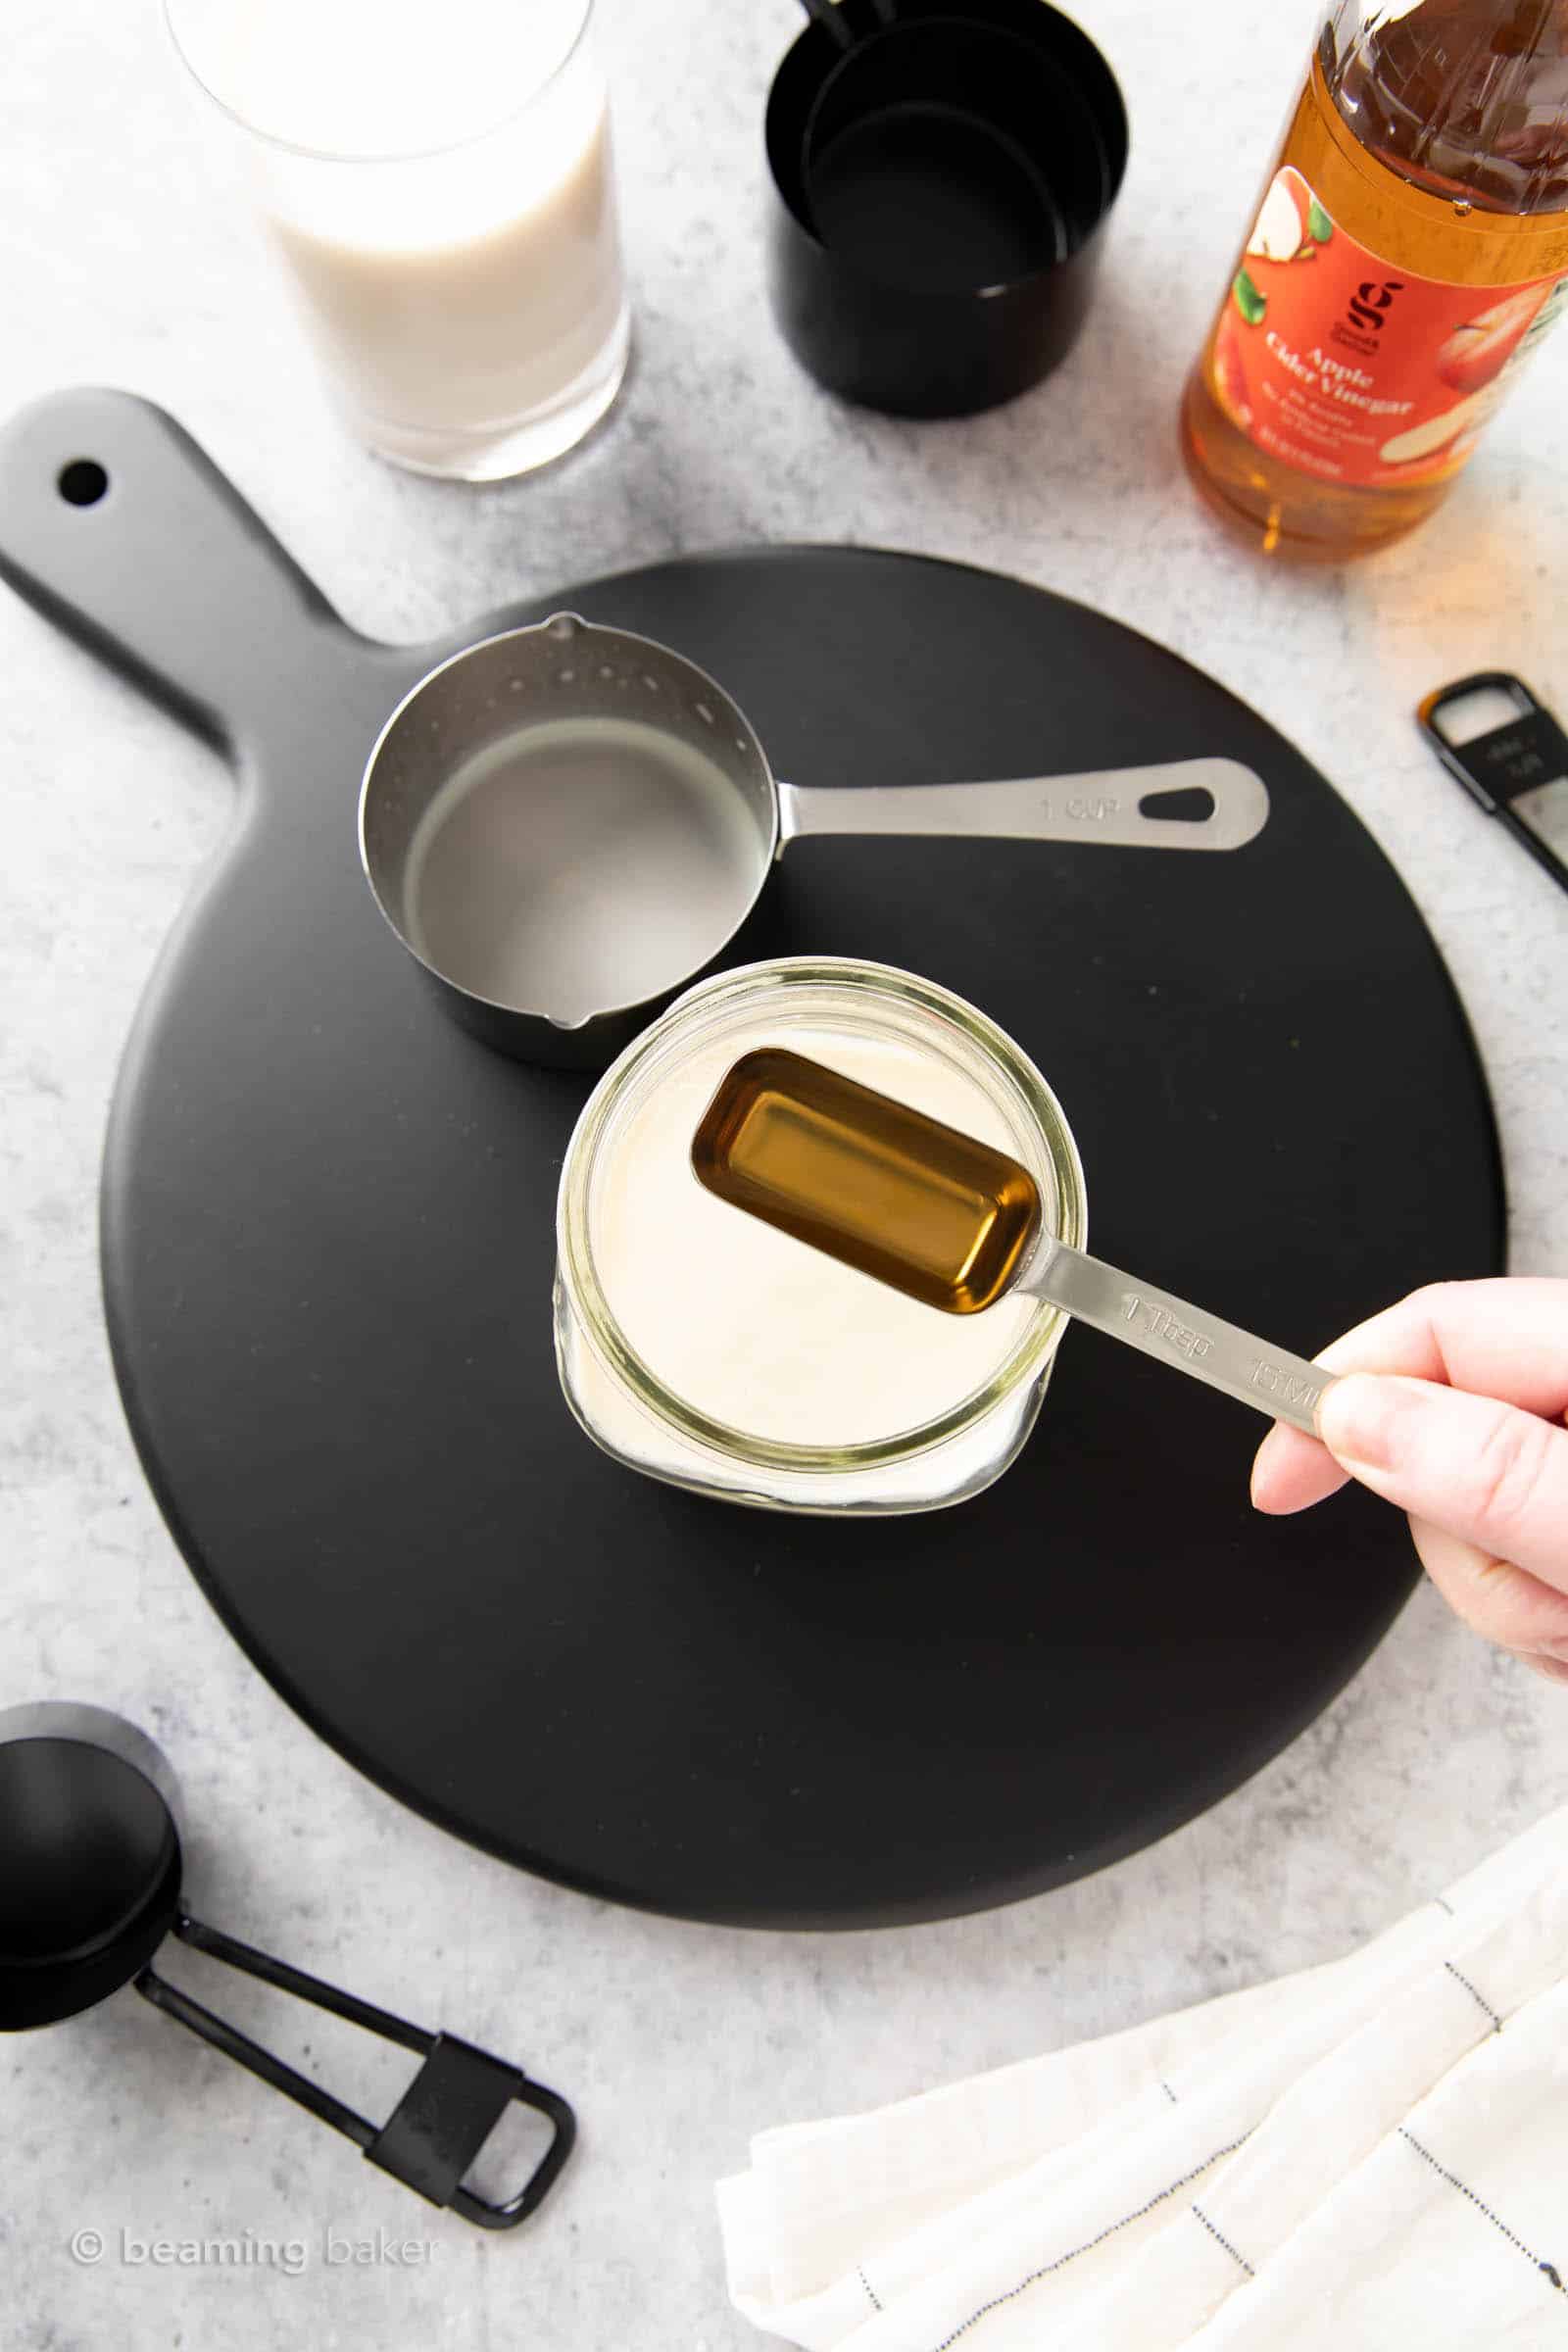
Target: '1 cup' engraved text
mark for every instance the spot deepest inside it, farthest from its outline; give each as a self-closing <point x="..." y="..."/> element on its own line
<point x="1161" y="1324"/>
<point x="1289" y="1385"/>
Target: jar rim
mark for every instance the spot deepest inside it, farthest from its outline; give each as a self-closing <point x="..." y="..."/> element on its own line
<point x="1023" y="1082"/>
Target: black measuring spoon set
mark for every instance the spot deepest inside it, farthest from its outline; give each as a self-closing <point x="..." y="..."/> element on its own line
<point x="90" y="1886"/>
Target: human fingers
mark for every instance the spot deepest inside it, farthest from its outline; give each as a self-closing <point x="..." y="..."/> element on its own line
<point x="1507" y="1338"/>
<point x="1507" y="1604"/>
<point x="1291" y="1470"/>
<point x="1495" y="1477"/>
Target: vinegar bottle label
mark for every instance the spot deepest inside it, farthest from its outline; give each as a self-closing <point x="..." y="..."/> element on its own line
<point x="1338" y="363"/>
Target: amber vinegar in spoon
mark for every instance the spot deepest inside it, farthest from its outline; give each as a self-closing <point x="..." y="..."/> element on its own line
<point x="950" y="1221"/>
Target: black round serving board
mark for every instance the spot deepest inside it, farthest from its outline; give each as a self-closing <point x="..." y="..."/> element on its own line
<point x="328" y="1248"/>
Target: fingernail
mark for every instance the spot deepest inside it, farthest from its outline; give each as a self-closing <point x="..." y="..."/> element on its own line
<point x="1360" y="1416"/>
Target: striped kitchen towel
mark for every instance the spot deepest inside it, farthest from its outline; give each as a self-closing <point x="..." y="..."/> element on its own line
<point x="1369" y="2156"/>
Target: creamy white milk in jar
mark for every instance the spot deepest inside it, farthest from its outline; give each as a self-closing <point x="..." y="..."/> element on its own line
<point x="708" y="1349"/>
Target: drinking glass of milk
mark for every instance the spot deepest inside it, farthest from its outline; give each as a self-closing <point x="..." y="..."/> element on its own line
<point x="436" y="176"/>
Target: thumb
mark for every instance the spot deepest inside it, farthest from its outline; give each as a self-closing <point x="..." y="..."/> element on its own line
<point x="1496" y="1477"/>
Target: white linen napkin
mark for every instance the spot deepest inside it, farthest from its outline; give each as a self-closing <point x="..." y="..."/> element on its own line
<point x="1371" y="2154"/>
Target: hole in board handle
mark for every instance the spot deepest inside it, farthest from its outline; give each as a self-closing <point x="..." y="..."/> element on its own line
<point x="1187" y="803"/>
<point x="82" y="482"/>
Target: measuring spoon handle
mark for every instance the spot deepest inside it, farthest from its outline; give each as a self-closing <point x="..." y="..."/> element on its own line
<point x="1285" y="1387"/>
<point x="1106" y="805"/>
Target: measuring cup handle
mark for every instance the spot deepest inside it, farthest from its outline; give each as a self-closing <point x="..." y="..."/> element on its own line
<point x="117" y="526"/>
<point x="1107" y="805"/>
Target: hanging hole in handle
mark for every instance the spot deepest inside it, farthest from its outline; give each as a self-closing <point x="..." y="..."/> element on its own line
<point x="514" y="2151"/>
<point x="1480" y="712"/>
<point x="82" y="482"/>
<point x="1185" y="804"/>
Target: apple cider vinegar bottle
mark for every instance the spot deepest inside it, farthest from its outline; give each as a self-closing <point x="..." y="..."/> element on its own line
<point x="1411" y="249"/>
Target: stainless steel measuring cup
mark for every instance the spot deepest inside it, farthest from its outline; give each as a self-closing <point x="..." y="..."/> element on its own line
<point x="566" y="824"/>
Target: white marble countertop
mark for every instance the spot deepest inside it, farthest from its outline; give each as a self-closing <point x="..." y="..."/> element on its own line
<point x="676" y="2042"/>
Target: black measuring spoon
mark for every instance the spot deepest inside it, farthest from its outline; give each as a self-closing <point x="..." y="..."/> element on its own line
<point x="90" y="1867"/>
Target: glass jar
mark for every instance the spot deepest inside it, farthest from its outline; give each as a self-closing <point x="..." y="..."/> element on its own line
<point x="662" y="1335"/>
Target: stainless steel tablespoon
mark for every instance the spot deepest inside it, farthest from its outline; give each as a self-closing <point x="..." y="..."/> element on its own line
<point x="951" y="1223"/>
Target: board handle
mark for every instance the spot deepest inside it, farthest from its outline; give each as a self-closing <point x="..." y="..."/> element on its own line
<point x="120" y="528"/>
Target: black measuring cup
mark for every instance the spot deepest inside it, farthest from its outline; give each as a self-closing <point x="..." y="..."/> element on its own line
<point x="90" y="1868"/>
<point x="942" y="176"/>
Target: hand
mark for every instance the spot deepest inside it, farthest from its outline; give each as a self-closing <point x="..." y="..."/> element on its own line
<point x="1454" y="1408"/>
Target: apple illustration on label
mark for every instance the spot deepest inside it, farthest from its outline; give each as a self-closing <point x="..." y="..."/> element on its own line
<point x="1482" y="348"/>
<point x="1290" y="223"/>
<point x="1426" y="440"/>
